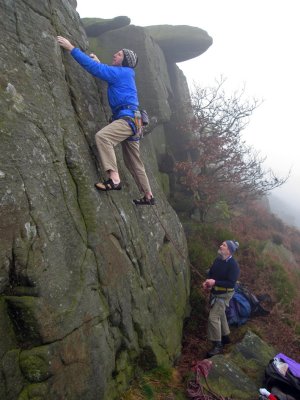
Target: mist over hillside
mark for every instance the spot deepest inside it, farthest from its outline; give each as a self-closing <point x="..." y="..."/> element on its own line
<point x="285" y="211"/>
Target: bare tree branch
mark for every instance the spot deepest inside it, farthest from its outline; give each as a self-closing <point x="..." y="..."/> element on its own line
<point x="223" y="167"/>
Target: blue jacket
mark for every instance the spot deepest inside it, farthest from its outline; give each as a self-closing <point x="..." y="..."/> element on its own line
<point x="121" y="89"/>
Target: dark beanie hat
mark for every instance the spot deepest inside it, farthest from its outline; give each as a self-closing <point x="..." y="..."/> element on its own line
<point x="232" y="245"/>
<point x="130" y="58"/>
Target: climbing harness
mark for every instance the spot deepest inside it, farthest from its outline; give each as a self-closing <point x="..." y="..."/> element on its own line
<point x="136" y="123"/>
<point x="135" y="127"/>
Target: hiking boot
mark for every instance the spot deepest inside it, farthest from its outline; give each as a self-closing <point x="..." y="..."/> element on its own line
<point x="217" y="349"/>
<point x="226" y="340"/>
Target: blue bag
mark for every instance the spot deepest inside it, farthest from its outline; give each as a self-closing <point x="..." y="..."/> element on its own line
<point x="239" y="310"/>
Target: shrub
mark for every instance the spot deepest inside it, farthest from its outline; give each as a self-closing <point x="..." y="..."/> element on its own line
<point x="277" y="239"/>
<point x="285" y="291"/>
<point x="203" y="241"/>
<point x="200" y="255"/>
<point x="295" y="246"/>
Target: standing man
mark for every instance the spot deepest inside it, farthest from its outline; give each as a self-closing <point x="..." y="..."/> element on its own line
<point x="222" y="277"/>
<point x="125" y="127"/>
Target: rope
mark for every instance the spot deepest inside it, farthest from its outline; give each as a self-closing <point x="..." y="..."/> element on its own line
<point x="195" y="390"/>
<point x="176" y="247"/>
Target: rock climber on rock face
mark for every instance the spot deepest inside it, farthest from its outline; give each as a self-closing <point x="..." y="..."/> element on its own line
<point x="125" y="126"/>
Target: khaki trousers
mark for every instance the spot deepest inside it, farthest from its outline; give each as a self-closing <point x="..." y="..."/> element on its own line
<point x="107" y="138"/>
<point x="217" y="321"/>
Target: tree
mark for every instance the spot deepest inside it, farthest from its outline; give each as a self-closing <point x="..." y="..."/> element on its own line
<point x="222" y="168"/>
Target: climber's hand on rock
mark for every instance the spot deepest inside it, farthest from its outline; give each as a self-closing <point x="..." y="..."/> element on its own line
<point x="94" y="57"/>
<point x="65" y="43"/>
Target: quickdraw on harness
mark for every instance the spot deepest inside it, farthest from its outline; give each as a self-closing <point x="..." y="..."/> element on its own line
<point x="136" y="123"/>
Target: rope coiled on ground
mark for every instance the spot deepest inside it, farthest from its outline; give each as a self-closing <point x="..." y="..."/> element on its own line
<point x="195" y="390"/>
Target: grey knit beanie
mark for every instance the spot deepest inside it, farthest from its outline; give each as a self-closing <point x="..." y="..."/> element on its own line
<point x="232" y="245"/>
<point x="130" y="58"/>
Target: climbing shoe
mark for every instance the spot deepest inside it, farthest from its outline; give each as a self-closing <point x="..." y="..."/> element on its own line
<point x="144" y="201"/>
<point x="108" y="185"/>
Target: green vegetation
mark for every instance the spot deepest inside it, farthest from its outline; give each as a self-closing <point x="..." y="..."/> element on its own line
<point x="35" y="391"/>
<point x="203" y="241"/>
<point x="265" y="253"/>
<point x="156" y="384"/>
<point x="284" y="289"/>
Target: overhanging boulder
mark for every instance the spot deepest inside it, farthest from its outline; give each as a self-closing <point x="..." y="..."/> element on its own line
<point x="180" y="42"/>
<point x="96" y="26"/>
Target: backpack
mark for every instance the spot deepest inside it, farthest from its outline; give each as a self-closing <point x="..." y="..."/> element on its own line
<point x="282" y="377"/>
<point x="244" y="305"/>
<point x="239" y="310"/>
<point x="255" y="301"/>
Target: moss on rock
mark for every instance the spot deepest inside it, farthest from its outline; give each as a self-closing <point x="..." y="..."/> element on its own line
<point x="228" y="380"/>
<point x="35" y="364"/>
<point x="252" y="355"/>
<point x="240" y="373"/>
<point x="36" y="391"/>
<point x="11" y="375"/>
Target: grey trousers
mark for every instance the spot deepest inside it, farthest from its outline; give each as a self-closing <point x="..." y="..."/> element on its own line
<point x="107" y="138"/>
<point x="217" y="321"/>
